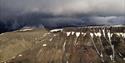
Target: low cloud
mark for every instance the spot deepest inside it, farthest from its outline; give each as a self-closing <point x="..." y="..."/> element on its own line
<point x="67" y="7"/>
<point x="15" y="14"/>
<point x="108" y="20"/>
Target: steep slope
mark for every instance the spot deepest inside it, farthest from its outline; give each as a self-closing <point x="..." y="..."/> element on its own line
<point x="13" y="43"/>
<point x="96" y="44"/>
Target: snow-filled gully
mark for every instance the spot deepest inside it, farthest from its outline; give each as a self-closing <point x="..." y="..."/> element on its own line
<point x="82" y="46"/>
<point x="106" y="34"/>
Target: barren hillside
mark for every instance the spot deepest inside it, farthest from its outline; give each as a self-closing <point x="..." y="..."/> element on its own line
<point x="13" y="43"/>
<point x="97" y="44"/>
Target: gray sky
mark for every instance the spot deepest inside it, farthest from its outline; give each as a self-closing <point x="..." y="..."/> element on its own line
<point x="90" y="7"/>
<point x="96" y="11"/>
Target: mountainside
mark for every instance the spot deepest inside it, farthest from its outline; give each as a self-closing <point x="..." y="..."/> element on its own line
<point x="92" y="44"/>
<point x="13" y="43"/>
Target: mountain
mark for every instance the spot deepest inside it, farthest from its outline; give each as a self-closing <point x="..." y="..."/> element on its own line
<point x="13" y="43"/>
<point x="91" y="44"/>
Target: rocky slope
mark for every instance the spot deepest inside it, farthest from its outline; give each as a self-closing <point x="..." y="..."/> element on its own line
<point x="96" y="44"/>
<point x="13" y="43"/>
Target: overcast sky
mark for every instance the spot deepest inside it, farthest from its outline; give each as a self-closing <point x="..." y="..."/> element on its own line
<point x="94" y="11"/>
<point x="91" y="7"/>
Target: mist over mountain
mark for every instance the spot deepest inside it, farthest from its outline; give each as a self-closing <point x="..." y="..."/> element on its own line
<point x="15" y="14"/>
<point x="51" y="21"/>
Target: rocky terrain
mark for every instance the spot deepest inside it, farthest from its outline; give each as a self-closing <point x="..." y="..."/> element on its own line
<point x="93" y="44"/>
<point x="13" y="43"/>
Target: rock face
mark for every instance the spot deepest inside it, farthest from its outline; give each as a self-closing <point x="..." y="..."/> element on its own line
<point x="78" y="45"/>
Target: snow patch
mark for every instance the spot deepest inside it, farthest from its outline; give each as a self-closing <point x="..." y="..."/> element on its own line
<point x="44" y="45"/>
<point x="83" y="34"/>
<point x="26" y="30"/>
<point x="77" y="34"/>
<point x="67" y="61"/>
<point x="64" y="46"/>
<point x="118" y="26"/>
<point x="98" y="34"/>
<point x="54" y="35"/>
<point x="111" y="57"/>
<point x="91" y="35"/>
<point x="121" y="34"/>
<point x="73" y="33"/>
<point x="117" y="34"/>
<point x="101" y="55"/>
<point x="120" y="54"/>
<point x="20" y="55"/>
<point x="123" y="58"/>
<point x="56" y="30"/>
<point x="68" y="33"/>
<point x="2" y="33"/>
<point x="103" y="32"/>
<point x="109" y="35"/>
<point x="51" y="39"/>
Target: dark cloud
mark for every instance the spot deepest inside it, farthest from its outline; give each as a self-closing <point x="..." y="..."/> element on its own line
<point x="15" y="14"/>
<point x="51" y="21"/>
<point x="68" y="7"/>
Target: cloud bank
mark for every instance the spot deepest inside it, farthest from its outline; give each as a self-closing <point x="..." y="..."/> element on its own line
<point x="67" y="7"/>
<point x="15" y="14"/>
